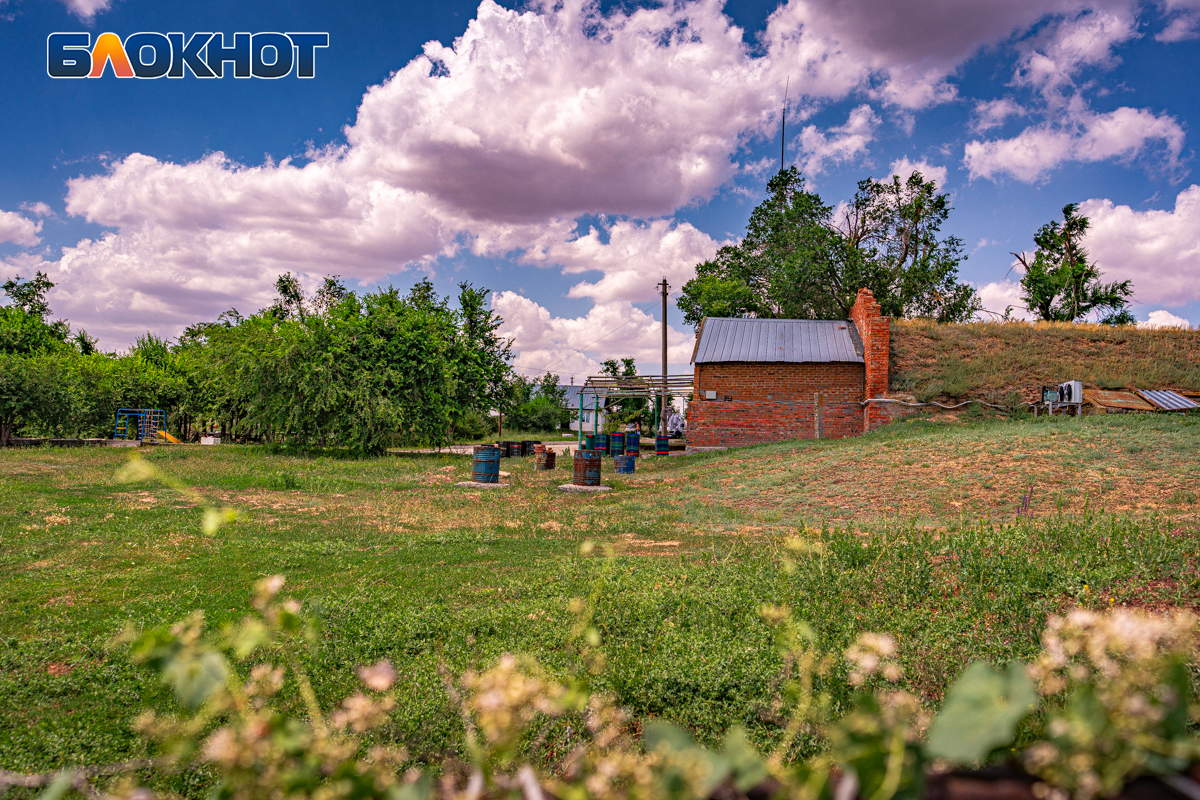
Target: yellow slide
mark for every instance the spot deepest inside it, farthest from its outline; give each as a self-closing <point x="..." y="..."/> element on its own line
<point x="168" y="437"/>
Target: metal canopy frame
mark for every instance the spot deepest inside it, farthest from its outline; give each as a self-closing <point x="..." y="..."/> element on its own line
<point x="606" y="387"/>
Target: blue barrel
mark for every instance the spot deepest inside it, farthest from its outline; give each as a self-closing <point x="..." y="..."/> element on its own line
<point x="616" y="444"/>
<point x="602" y="443"/>
<point x="587" y="468"/>
<point x="625" y="464"/>
<point x="486" y="467"/>
<point x="662" y="445"/>
<point x="589" y="441"/>
<point x="633" y="443"/>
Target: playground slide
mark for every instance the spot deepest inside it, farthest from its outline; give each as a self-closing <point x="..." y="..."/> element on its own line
<point x="169" y="437"/>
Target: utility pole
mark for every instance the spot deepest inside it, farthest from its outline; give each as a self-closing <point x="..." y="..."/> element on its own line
<point x="662" y="416"/>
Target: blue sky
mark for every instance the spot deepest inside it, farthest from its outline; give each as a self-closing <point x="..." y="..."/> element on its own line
<point x="569" y="157"/>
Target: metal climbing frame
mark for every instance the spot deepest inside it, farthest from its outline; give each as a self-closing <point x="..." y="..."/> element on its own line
<point x="604" y="387"/>
<point x="142" y="424"/>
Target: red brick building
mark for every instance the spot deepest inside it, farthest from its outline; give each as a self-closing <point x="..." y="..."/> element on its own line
<point x="766" y="380"/>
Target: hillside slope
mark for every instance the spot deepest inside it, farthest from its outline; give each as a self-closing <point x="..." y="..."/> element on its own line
<point x="1004" y="362"/>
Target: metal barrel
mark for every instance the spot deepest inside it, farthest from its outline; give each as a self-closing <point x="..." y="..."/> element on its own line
<point x="625" y="464"/>
<point x="545" y="461"/>
<point x="602" y="443"/>
<point x="633" y="443"/>
<point x="486" y="467"/>
<point x="527" y="447"/>
<point x="616" y="444"/>
<point x="589" y="441"/>
<point x="587" y="468"/>
<point x="662" y="445"/>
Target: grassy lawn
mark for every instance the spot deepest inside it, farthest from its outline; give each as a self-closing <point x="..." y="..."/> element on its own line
<point x="913" y="531"/>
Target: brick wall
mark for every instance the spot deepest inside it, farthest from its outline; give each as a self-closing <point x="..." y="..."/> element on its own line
<point x="874" y="330"/>
<point x="772" y="402"/>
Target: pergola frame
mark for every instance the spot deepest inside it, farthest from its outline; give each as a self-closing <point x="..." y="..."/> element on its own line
<point x="606" y="387"/>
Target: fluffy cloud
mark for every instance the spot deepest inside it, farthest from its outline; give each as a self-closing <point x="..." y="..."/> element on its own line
<point x="990" y="114"/>
<point x="1183" y="22"/>
<point x="998" y="297"/>
<point x="844" y="42"/>
<point x="1158" y="250"/>
<point x="195" y="239"/>
<point x="86" y="9"/>
<point x="1164" y="319"/>
<point x="1082" y="136"/>
<point x="1053" y="58"/>
<point x="576" y="346"/>
<point x="636" y="255"/>
<point x="843" y="143"/>
<point x="904" y="168"/>
<point x="561" y="112"/>
<point x="18" y="229"/>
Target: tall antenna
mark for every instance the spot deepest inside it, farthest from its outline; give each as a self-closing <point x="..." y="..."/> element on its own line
<point x="783" y="131"/>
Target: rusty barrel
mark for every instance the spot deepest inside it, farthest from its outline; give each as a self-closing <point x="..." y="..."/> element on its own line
<point x="633" y="443"/>
<point x="662" y="445"/>
<point x="616" y="444"/>
<point x="544" y="460"/>
<point x="587" y="468"/>
<point x="486" y="467"/>
<point x="625" y="464"/>
<point x="539" y="448"/>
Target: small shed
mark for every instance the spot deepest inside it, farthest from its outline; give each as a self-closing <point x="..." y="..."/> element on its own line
<point x="762" y="380"/>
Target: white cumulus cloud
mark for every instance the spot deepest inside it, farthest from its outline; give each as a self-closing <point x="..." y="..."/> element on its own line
<point x="1158" y="250"/>
<point x="86" y="10"/>
<point x="577" y="346"/>
<point x="1164" y="319"/>
<point x="1081" y="136"/>
<point x="841" y="144"/>
<point x="18" y="229"/>
<point x="904" y="168"/>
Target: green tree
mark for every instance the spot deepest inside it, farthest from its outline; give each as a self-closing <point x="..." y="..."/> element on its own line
<point x="1061" y="284"/>
<point x="797" y="261"/>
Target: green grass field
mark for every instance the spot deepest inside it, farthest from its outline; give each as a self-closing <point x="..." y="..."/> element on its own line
<point x="914" y="531"/>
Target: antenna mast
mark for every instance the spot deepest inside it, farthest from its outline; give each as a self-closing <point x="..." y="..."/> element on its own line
<point x="783" y="130"/>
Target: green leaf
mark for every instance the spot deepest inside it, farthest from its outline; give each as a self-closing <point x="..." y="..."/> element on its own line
<point x="746" y="763"/>
<point x="59" y="786"/>
<point x="196" y="679"/>
<point x="981" y="712"/>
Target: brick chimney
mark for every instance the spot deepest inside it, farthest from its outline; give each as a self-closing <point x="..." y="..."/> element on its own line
<point x="875" y="332"/>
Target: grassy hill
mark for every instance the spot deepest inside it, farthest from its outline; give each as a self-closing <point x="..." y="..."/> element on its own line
<point x="1006" y="363"/>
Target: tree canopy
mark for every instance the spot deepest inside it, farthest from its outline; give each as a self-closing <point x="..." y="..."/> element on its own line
<point x="803" y="259"/>
<point x="1062" y="284"/>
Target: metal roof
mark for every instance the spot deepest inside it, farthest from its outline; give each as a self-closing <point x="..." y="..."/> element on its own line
<point x="786" y="340"/>
<point x="1168" y="400"/>
<point x="1114" y="399"/>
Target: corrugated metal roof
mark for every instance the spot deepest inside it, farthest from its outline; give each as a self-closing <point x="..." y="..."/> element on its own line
<point x="1111" y="399"/>
<point x="724" y="339"/>
<point x="1168" y="400"/>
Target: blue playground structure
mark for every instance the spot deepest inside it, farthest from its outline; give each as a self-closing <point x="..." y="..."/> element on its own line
<point x="142" y="424"/>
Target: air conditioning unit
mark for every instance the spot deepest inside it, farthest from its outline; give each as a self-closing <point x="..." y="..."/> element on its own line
<point x="1070" y="392"/>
